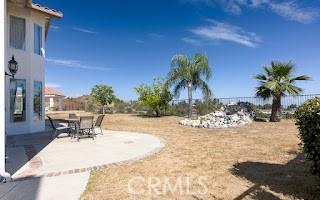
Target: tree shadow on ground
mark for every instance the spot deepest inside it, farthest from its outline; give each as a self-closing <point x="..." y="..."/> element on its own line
<point x="146" y="116"/>
<point x="292" y="179"/>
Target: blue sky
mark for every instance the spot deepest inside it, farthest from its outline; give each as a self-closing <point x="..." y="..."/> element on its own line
<point x="123" y="43"/>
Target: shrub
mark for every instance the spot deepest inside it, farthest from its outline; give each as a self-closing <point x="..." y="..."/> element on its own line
<point x="155" y="96"/>
<point x="129" y="110"/>
<point x="288" y="116"/>
<point x="91" y="108"/>
<point x="308" y="121"/>
<point x="121" y="109"/>
<point x="262" y="115"/>
<point x="207" y="106"/>
<point x="178" y="109"/>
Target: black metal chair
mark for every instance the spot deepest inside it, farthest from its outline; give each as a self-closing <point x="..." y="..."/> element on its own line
<point x="57" y="130"/>
<point x="72" y="124"/>
<point x="98" y="123"/>
<point x="85" y="127"/>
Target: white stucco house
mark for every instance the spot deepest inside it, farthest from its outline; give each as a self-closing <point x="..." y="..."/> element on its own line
<point x="53" y="99"/>
<point x="24" y="28"/>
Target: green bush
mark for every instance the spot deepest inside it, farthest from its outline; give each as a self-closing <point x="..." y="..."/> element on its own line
<point x="155" y="96"/>
<point x="308" y="121"/>
<point x="288" y="116"/>
<point x="259" y="114"/>
<point x="178" y="109"/>
<point x="129" y="110"/>
<point x="207" y="106"/>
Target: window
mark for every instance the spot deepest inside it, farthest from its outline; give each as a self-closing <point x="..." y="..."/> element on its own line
<point x="37" y="32"/>
<point x="18" y="100"/>
<point x="17" y="33"/>
<point x="37" y="100"/>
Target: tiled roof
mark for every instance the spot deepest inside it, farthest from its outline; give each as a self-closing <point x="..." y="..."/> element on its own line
<point x="44" y="9"/>
<point x="52" y="91"/>
<point x="47" y="10"/>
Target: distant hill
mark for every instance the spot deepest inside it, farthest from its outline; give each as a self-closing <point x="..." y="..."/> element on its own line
<point x="78" y="103"/>
<point x="86" y="103"/>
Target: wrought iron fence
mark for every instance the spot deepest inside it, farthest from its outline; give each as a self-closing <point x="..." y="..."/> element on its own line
<point x="288" y="103"/>
<point x="200" y="107"/>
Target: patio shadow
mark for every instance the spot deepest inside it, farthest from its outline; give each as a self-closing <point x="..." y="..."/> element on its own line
<point x="20" y="190"/>
<point x="292" y="178"/>
<point x="22" y="148"/>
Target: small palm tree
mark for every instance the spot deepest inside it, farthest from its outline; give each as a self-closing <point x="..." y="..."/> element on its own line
<point x="278" y="81"/>
<point x="188" y="73"/>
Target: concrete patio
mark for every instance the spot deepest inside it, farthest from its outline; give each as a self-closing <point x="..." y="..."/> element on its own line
<point x="39" y="165"/>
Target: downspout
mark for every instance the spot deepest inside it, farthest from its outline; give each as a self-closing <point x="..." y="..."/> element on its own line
<point x="4" y="176"/>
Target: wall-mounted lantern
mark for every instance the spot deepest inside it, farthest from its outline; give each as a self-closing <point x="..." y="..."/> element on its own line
<point x="13" y="67"/>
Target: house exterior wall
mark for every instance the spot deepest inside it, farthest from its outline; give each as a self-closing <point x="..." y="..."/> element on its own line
<point x="31" y="68"/>
<point x="2" y="86"/>
<point x="49" y="101"/>
<point x="53" y="103"/>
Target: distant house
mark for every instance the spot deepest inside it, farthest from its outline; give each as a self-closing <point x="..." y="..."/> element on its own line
<point x="53" y="99"/>
<point x="26" y="25"/>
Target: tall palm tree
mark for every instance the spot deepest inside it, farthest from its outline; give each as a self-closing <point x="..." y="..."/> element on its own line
<point x="189" y="73"/>
<point x="278" y="81"/>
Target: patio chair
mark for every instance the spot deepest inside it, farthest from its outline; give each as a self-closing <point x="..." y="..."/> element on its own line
<point x="85" y="127"/>
<point x="57" y="130"/>
<point x="98" y="123"/>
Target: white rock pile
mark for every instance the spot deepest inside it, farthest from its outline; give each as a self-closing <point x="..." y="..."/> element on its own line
<point x="219" y="119"/>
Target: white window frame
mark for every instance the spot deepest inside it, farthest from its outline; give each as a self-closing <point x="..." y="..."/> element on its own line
<point x="25" y="33"/>
<point x="23" y="102"/>
<point x="40" y="40"/>
<point x="38" y="115"/>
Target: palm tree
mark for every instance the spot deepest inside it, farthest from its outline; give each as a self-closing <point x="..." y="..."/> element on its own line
<point x="278" y="81"/>
<point x="188" y="73"/>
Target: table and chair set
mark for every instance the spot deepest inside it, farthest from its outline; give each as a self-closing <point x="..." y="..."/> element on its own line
<point x="77" y="127"/>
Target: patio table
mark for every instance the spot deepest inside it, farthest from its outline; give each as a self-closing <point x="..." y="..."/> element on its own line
<point x="72" y="123"/>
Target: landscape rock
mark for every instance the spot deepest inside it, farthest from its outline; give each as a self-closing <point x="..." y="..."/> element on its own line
<point x="223" y="118"/>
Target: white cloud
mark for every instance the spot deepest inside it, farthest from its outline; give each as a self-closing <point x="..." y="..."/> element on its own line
<point x="292" y="11"/>
<point x="189" y="40"/>
<point x="83" y="30"/>
<point x="137" y="41"/>
<point x="257" y="3"/>
<point x="218" y="31"/>
<point x="53" y="85"/>
<point x="288" y="9"/>
<point x="54" y="27"/>
<point x="75" y="64"/>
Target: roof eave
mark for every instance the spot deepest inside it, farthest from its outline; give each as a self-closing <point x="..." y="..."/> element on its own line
<point x="49" y="12"/>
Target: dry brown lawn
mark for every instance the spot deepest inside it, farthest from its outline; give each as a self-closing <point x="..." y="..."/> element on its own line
<point x="257" y="161"/>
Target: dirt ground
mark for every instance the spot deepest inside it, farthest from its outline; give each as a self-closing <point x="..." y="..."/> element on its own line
<point x="256" y="161"/>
